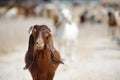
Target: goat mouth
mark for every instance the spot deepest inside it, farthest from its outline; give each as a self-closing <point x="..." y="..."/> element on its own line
<point x="39" y="47"/>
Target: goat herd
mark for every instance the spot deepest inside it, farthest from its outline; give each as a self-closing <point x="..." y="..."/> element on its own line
<point x="68" y="15"/>
<point x="42" y="58"/>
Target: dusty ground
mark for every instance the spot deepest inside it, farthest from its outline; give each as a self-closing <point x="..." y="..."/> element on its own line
<point x="97" y="55"/>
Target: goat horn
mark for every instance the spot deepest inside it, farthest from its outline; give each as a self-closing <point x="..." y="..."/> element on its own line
<point x="30" y="29"/>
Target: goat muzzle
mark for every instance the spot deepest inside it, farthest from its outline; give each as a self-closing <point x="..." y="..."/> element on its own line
<point x="39" y="44"/>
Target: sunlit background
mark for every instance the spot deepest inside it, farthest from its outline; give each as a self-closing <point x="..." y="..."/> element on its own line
<point x="85" y="32"/>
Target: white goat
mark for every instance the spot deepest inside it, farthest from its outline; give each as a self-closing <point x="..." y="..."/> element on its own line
<point x="67" y="34"/>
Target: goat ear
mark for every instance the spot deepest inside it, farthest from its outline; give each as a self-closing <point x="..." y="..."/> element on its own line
<point x="50" y="42"/>
<point x="29" y="56"/>
<point x="54" y="58"/>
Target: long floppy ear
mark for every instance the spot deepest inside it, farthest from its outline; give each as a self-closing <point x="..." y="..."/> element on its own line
<point x="55" y="56"/>
<point x="30" y="53"/>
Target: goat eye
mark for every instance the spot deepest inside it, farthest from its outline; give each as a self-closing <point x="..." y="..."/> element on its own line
<point x="43" y="29"/>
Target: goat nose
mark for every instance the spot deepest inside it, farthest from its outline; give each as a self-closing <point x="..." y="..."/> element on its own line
<point x="39" y="43"/>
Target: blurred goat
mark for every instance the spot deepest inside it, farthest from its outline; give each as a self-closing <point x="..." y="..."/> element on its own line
<point x="112" y="23"/>
<point x="55" y="18"/>
<point x="83" y="17"/>
<point x="42" y="59"/>
<point x="67" y="34"/>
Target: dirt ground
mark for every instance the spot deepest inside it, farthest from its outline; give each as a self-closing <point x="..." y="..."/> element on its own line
<point x="97" y="56"/>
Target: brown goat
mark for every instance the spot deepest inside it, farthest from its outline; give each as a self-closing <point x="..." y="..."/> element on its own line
<point x="112" y="22"/>
<point x="55" y="18"/>
<point x="42" y="59"/>
<point x="83" y="17"/>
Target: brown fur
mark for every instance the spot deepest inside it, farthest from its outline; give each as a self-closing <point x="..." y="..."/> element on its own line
<point x="83" y="17"/>
<point x="42" y="64"/>
<point x="112" y="21"/>
<point x="55" y="18"/>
